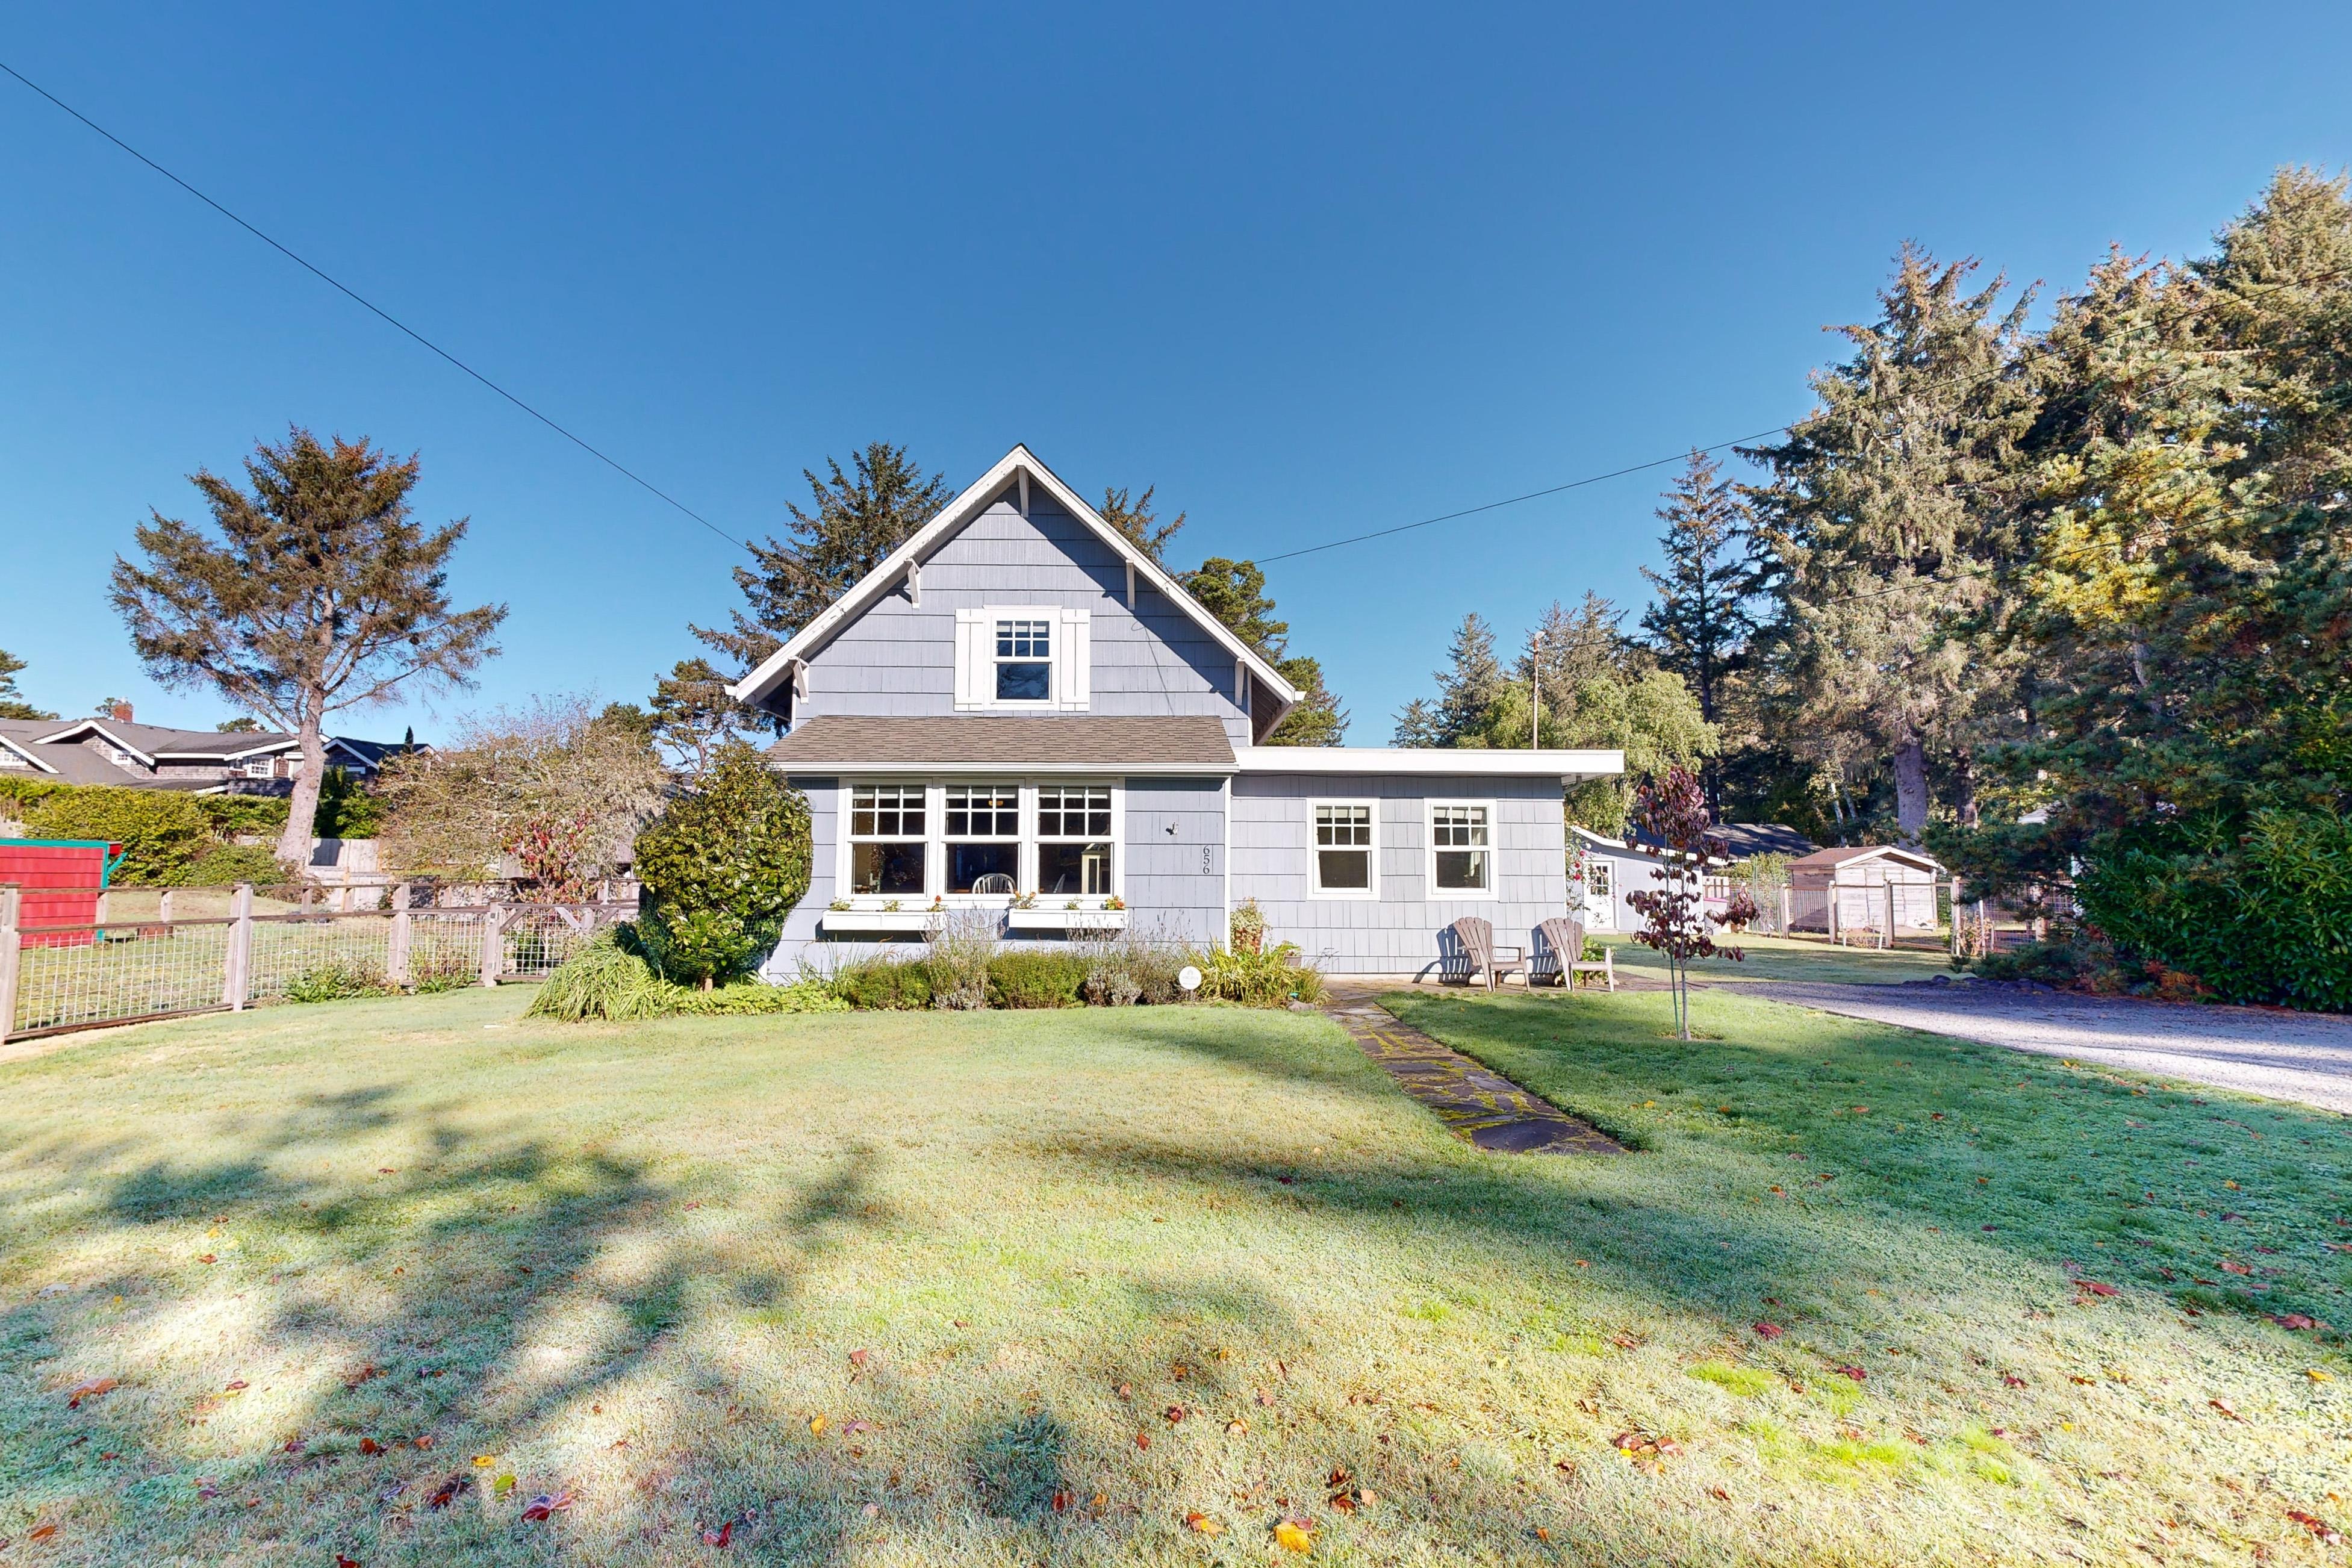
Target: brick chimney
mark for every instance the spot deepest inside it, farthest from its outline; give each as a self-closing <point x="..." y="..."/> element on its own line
<point x="122" y="712"/>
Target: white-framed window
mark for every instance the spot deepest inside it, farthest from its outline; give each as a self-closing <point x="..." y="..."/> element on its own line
<point x="1461" y="849"/>
<point x="1075" y="849"/>
<point x="260" y="767"/>
<point x="1022" y="658"/>
<point x="979" y="843"/>
<point x="1341" y="861"/>
<point x="1597" y="881"/>
<point x="982" y="836"/>
<point x="888" y="842"/>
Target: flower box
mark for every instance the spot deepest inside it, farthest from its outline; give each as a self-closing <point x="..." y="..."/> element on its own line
<point x="877" y="922"/>
<point x="1065" y="919"/>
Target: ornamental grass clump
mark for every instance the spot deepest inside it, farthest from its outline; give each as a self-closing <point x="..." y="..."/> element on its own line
<point x="608" y="979"/>
<point x="1275" y="978"/>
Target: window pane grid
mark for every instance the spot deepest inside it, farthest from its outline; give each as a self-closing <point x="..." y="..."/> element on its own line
<point x="1459" y="827"/>
<point x="1343" y="826"/>
<point x="1024" y="639"/>
<point x="983" y="811"/>
<point x="887" y="811"/>
<point x="1073" y="812"/>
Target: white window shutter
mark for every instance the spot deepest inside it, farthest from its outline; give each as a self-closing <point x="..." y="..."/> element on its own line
<point x="967" y="671"/>
<point x="1077" y="658"/>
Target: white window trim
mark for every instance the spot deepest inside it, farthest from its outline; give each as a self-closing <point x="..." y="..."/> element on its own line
<point x="1032" y="837"/>
<point x="1314" y="889"/>
<point x="1071" y="658"/>
<point x="1023" y="837"/>
<point x="1493" y="889"/>
<point x="935" y="842"/>
<point x="845" y="844"/>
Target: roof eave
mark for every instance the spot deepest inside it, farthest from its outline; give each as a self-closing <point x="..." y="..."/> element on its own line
<point x="973" y="499"/>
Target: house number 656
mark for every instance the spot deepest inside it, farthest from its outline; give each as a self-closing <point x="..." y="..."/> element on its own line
<point x="1205" y="867"/>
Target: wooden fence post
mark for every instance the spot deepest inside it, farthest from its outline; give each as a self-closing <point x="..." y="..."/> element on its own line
<point x="493" y="947"/>
<point x="1957" y="914"/>
<point x="395" y="957"/>
<point x="164" y="906"/>
<point x="1886" y="937"/>
<point x="1837" y="926"/>
<point x="1784" y="911"/>
<point x="238" y="977"/>
<point x="12" y="959"/>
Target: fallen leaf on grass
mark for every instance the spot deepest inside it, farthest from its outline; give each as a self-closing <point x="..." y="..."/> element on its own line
<point x="852" y="1428"/>
<point x="426" y="1441"/>
<point x="1292" y="1536"/>
<point x="2223" y="1406"/>
<point x="2328" y="1533"/>
<point x="719" y="1537"/>
<point x="447" y="1492"/>
<point x="1236" y="1428"/>
<point x="2010" y="1380"/>
<point x="89" y="1390"/>
<point x="1767" y="1330"/>
<point x="1175" y="1414"/>
<point x="236" y="1385"/>
<point x="370" y="1445"/>
<point x="1719" y="1494"/>
<point x="344" y="1562"/>
<point x="1854" y="1373"/>
<point x="484" y="1462"/>
<point x="2231" y="1265"/>
<point x="1143" y="1440"/>
<point x="40" y="1533"/>
<point x="2294" y="1321"/>
<point x="857" y="1358"/>
<point x="816" y="1425"/>
<point x="2096" y="1289"/>
<point x="1201" y="1524"/>
<point x="502" y="1486"/>
<point x="546" y="1504"/>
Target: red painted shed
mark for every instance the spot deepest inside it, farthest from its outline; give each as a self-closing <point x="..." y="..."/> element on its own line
<point x="61" y="881"/>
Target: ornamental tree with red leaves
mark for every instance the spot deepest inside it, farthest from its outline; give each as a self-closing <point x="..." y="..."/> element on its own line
<point x="1672" y="813"/>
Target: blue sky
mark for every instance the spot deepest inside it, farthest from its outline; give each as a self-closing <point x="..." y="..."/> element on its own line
<point x="1309" y="273"/>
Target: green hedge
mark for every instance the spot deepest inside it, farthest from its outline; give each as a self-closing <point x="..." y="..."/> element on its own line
<point x="885" y="984"/>
<point x="1037" y="979"/>
<point x="161" y="832"/>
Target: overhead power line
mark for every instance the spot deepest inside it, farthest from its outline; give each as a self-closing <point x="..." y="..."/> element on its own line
<point x="378" y="311"/>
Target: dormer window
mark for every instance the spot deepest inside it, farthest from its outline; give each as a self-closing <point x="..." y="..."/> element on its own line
<point x="1024" y="661"/>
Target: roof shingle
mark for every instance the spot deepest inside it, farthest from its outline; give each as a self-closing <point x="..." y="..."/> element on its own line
<point x="1160" y="745"/>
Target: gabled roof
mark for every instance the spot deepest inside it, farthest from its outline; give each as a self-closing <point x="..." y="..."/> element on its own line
<point x="976" y="500"/>
<point x="152" y="744"/>
<point x="1847" y="855"/>
<point x="1635" y="845"/>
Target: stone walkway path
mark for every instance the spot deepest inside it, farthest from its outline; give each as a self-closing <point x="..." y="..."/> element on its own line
<point x="1481" y="1106"/>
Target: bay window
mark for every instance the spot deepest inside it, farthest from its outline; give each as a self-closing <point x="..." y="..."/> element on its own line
<point x="887" y="842"/>
<point x="1462" y="848"/>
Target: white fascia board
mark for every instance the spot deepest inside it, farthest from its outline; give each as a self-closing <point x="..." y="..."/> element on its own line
<point x="289" y="743"/>
<point x="27" y="753"/>
<point x="951" y="770"/>
<point x="1570" y="766"/>
<point x="95" y="727"/>
<point x="961" y="510"/>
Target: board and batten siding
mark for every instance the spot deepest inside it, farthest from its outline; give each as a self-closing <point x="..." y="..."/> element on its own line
<point x="898" y="658"/>
<point x="1397" y="933"/>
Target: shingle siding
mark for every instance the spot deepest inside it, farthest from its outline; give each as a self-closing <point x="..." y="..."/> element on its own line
<point x="898" y="659"/>
<point x="1397" y="933"/>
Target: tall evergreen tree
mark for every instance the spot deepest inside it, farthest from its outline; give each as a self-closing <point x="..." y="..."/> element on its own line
<point x="1136" y="520"/>
<point x="1234" y="592"/>
<point x="1701" y="619"/>
<point x="320" y="592"/>
<point x="860" y="517"/>
<point x="12" y="702"/>
<point x="1886" y="511"/>
<point x="1470" y="686"/>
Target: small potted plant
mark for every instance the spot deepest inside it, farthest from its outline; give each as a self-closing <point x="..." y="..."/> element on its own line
<point x="839" y="905"/>
<point x="1025" y="901"/>
<point x="1114" y="902"/>
<point x="889" y="906"/>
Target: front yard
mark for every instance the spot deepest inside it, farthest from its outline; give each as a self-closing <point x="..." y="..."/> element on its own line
<point x="1133" y="1285"/>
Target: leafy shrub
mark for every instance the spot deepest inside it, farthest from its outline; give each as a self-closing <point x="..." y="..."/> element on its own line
<point x="347" y="809"/>
<point x="336" y="981"/>
<point x="448" y="972"/>
<point x="160" y="830"/>
<point x="1245" y="930"/>
<point x="229" y="815"/>
<point x="885" y="984"/>
<point x="226" y="865"/>
<point x="1275" y="978"/>
<point x="1037" y="979"/>
<point x="606" y="980"/>
<point x="964" y="941"/>
<point x="603" y="980"/>
<point x="2264" y="917"/>
<point x="722" y="867"/>
<point x="1128" y="966"/>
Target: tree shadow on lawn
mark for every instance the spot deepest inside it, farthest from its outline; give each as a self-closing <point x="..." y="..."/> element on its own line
<point x="2085" y="1169"/>
<point x="486" y="1298"/>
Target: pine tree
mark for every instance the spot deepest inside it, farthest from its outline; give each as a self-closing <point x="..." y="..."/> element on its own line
<point x="320" y="593"/>
<point x="1885" y="514"/>
<point x="1701" y="620"/>
<point x="1136" y="520"/>
<point x="1234" y="592"/>
<point x="858" y="521"/>
<point x="692" y="717"/>
<point x="1416" y="725"/>
<point x="1471" y="685"/>
<point x="12" y="702"/>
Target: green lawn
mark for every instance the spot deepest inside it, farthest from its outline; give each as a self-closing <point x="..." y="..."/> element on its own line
<point x="902" y="1283"/>
<point x="1792" y="958"/>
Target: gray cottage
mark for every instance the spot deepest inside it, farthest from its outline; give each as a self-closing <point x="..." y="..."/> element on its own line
<point x="1021" y="711"/>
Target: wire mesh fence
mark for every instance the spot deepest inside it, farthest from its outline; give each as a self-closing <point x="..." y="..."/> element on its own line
<point x="151" y="954"/>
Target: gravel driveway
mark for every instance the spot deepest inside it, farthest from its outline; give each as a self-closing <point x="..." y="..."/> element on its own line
<point x="2302" y="1057"/>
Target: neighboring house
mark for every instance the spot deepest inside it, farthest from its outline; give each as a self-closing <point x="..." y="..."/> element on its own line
<point x="1849" y="888"/>
<point x="1608" y="870"/>
<point x="1020" y="712"/>
<point x="115" y="750"/>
